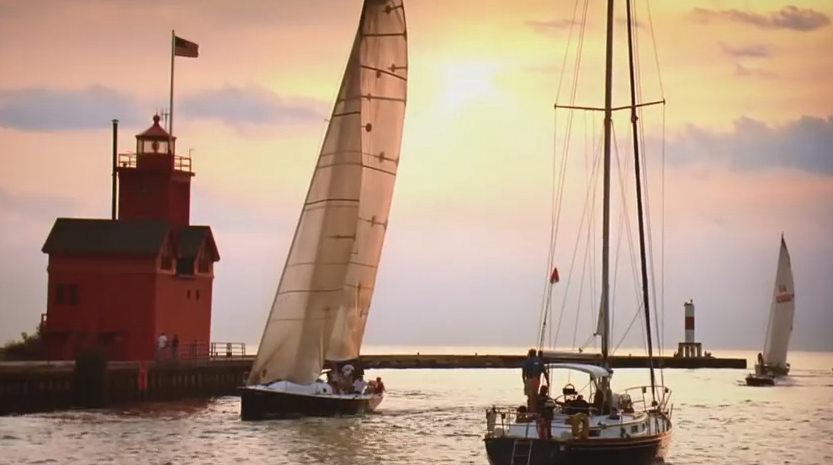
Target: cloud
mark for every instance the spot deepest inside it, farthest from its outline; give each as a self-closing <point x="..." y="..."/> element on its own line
<point x="41" y="109"/>
<point x="747" y="51"/>
<point x="743" y="53"/>
<point x="789" y="17"/>
<point x="44" y="110"/>
<point x="623" y="21"/>
<point x="230" y="214"/>
<point x="551" y="26"/>
<point x="556" y="26"/>
<point x="803" y="144"/>
<point x="251" y="105"/>
<point x="38" y="207"/>
<point x="744" y="71"/>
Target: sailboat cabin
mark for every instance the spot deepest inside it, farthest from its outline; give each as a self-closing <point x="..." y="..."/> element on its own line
<point x="117" y="284"/>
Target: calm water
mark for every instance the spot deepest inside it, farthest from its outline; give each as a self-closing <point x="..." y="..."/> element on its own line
<point x="435" y="417"/>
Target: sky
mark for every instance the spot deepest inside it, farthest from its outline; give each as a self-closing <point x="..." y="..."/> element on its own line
<point x="741" y="152"/>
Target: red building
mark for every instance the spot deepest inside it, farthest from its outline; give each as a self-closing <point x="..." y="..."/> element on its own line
<point x="118" y="284"/>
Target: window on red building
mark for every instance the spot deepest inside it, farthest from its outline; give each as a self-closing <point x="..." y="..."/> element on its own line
<point x="74" y="297"/>
<point x="60" y="299"/>
<point x="184" y="267"/>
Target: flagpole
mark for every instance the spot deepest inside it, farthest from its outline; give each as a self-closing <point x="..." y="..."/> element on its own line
<point x="171" y="99"/>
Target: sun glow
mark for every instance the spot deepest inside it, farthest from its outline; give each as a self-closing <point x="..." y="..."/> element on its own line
<point x="466" y="82"/>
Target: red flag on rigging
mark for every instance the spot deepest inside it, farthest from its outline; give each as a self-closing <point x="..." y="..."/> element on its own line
<point x="554" y="276"/>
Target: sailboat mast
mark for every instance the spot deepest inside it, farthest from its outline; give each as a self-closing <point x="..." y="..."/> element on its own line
<point x="643" y="260"/>
<point x="608" y="126"/>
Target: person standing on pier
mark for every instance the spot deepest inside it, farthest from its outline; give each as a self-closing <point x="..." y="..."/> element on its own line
<point x="162" y="342"/>
<point x="175" y="347"/>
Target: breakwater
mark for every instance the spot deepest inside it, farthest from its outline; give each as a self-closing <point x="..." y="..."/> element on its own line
<point x="92" y="382"/>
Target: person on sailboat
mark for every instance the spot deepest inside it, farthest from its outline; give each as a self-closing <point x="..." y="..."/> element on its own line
<point x="359" y="385"/>
<point x="531" y="373"/>
<point x="602" y="398"/>
<point x="379" y="386"/>
<point x="347" y="378"/>
<point x="547" y="406"/>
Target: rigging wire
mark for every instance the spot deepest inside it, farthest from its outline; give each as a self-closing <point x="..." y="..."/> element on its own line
<point x="558" y="187"/>
<point x="558" y="197"/>
<point x="554" y="206"/>
<point x="588" y="163"/>
<point x="587" y="202"/>
<point x="659" y="310"/>
<point x="624" y="224"/>
<point x="662" y="176"/>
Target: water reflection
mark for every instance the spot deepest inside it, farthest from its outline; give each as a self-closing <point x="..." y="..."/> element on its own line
<point x="431" y="417"/>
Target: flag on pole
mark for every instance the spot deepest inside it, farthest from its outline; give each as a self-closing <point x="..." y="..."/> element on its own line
<point x="554" y="278"/>
<point x="185" y="48"/>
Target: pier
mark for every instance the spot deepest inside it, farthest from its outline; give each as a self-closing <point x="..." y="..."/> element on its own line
<point x="476" y="361"/>
<point x="38" y="386"/>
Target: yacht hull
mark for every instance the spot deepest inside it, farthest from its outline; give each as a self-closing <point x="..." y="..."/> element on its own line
<point x="626" y="451"/>
<point x="264" y="404"/>
<point x="754" y="380"/>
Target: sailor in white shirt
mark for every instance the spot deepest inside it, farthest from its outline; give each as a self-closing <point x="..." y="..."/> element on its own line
<point x="161" y="344"/>
<point x="359" y="385"/>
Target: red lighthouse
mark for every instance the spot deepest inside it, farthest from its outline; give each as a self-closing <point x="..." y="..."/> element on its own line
<point x="117" y="284"/>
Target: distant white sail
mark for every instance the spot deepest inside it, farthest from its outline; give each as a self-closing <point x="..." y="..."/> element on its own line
<point x="781" y="312"/>
<point x="322" y="302"/>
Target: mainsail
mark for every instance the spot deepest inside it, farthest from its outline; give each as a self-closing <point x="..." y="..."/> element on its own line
<point x="323" y="299"/>
<point x="781" y="312"/>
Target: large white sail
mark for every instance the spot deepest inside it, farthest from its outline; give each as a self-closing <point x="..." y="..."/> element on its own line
<point x="330" y="271"/>
<point x="383" y="58"/>
<point x="781" y="312"/>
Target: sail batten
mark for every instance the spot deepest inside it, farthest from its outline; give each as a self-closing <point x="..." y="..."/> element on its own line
<point x="782" y="312"/>
<point x="323" y="298"/>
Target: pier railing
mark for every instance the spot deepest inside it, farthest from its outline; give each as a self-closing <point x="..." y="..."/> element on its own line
<point x="639" y="397"/>
<point x="130" y="160"/>
<point x="205" y="351"/>
<point x="634" y="399"/>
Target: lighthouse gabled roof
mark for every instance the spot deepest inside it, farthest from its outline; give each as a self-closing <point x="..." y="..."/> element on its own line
<point x="101" y="237"/>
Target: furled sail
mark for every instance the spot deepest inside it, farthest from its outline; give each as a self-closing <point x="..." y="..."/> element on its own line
<point x="781" y="312"/>
<point x="321" y="305"/>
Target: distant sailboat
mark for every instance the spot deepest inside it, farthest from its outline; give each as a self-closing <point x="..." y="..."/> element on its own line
<point x="323" y="299"/>
<point x="772" y="362"/>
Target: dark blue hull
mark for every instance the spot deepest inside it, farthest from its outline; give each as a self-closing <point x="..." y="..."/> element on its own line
<point x="753" y="380"/>
<point x="261" y="404"/>
<point x="630" y="451"/>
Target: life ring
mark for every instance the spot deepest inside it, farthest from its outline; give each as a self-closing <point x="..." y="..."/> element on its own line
<point x="580" y="424"/>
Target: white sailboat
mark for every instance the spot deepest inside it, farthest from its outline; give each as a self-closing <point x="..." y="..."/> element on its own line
<point x="323" y="299"/>
<point x="772" y="362"/>
<point x="629" y="427"/>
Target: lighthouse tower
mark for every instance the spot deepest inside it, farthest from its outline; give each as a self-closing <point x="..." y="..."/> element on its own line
<point x="689" y="347"/>
<point x="689" y="322"/>
<point x="119" y="283"/>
